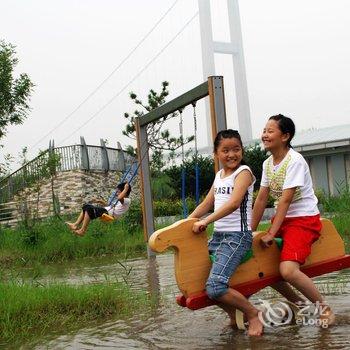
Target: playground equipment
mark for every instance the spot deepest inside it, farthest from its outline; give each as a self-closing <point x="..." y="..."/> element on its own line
<point x="128" y="176"/>
<point x="192" y="262"/>
<point x="183" y="170"/>
<point x="214" y="88"/>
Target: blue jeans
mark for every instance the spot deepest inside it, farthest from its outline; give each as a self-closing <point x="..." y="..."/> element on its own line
<point x="228" y="249"/>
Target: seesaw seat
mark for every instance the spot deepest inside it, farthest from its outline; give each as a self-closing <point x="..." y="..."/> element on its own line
<point x="192" y="263"/>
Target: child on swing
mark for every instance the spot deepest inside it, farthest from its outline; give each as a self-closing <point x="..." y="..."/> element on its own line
<point x="286" y="176"/>
<point x="231" y="197"/>
<point x="91" y="212"/>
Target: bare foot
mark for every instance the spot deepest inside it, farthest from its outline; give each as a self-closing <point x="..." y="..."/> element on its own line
<point x="79" y="232"/>
<point x="327" y="317"/>
<point x="255" y="328"/>
<point x="71" y="226"/>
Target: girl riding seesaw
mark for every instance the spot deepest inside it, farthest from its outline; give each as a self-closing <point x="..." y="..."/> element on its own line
<point x="286" y="175"/>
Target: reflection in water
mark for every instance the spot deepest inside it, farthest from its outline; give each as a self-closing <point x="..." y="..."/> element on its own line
<point x="173" y="327"/>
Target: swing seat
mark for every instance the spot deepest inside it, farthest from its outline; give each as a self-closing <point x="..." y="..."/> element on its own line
<point x="106" y="218"/>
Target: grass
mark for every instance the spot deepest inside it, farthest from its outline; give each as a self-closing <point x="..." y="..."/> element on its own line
<point x="51" y="241"/>
<point x="28" y="311"/>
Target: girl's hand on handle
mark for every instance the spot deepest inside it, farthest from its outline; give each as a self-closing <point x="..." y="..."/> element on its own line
<point x="199" y="226"/>
<point x="267" y="240"/>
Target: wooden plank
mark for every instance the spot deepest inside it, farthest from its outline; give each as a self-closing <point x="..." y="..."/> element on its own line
<point x="174" y="105"/>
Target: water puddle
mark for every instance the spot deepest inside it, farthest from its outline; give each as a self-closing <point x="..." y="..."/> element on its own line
<point x="173" y="327"/>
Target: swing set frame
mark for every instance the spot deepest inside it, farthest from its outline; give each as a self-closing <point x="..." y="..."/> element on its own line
<point x="214" y="88"/>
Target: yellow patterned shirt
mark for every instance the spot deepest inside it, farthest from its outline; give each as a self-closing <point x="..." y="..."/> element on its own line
<point x="292" y="172"/>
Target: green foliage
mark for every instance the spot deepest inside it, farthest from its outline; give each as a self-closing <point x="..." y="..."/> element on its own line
<point x="31" y="181"/>
<point x="159" y="139"/>
<point x="14" y="92"/>
<point x="172" y="207"/>
<point x="5" y="167"/>
<point x="132" y="219"/>
<point x="50" y="240"/>
<point x="254" y="157"/>
<point x="29" y="235"/>
<point x="339" y="203"/>
<point x="162" y="187"/>
<point x="30" y="310"/>
<point x="337" y="208"/>
<point x="270" y="200"/>
<point x="206" y="176"/>
<point x="166" y="207"/>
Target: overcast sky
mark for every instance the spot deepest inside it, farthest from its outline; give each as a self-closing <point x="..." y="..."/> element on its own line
<point x="297" y="56"/>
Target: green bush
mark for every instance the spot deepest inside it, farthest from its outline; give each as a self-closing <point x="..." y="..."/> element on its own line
<point x="165" y="207"/>
<point x="254" y="156"/>
<point x="339" y="203"/>
<point x="321" y="196"/>
<point x="133" y="217"/>
<point x="206" y="176"/>
<point x="270" y="200"/>
<point x="172" y="207"/>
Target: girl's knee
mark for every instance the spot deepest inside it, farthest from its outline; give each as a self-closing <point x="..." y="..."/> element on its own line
<point x="288" y="272"/>
<point x="216" y="289"/>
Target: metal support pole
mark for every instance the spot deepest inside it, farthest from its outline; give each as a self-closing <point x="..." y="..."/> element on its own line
<point x="234" y="48"/>
<point x="146" y="193"/>
<point x="207" y="45"/>
<point x="241" y="86"/>
<point x="217" y="109"/>
<point x="214" y="87"/>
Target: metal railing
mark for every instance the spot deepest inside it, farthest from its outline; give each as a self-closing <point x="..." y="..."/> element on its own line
<point x="85" y="157"/>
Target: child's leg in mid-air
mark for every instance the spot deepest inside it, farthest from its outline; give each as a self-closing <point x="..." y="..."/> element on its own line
<point x="84" y="226"/>
<point x="228" y="250"/>
<point x="290" y="271"/>
<point x="74" y="225"/>
<point x="91" y="212"/>
<point x="298" y="236"/>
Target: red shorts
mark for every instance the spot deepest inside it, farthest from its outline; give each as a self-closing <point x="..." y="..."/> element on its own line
<point x="298" y="234"/>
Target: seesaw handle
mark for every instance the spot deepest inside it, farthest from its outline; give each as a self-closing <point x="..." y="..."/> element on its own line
<point x="202" y="228"/>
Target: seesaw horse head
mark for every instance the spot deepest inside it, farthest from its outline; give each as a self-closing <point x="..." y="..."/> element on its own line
<point x="178" y="235"/>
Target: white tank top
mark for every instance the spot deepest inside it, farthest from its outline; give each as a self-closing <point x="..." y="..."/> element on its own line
<point x="240" y="219"/>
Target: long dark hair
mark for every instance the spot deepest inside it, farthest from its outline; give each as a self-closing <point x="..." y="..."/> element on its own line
<point x="228" y="134"/>
<point x="286" y="125"/>
<point x="121" y="188"/>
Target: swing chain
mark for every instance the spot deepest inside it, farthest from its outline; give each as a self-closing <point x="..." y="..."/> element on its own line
<point x="182" y="136"/>
<point x="195" y="130"/>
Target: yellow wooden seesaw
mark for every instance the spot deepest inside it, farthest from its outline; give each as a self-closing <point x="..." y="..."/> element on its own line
<point x="192" y="262"/>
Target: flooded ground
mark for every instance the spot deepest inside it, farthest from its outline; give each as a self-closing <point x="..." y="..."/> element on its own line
<point x="173" y="327"/>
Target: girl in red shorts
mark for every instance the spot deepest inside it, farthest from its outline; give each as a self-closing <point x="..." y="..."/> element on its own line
<point x="286" y="177"/>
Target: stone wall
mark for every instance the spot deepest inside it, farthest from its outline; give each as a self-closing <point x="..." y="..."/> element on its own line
<point x="72" y="188"/>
